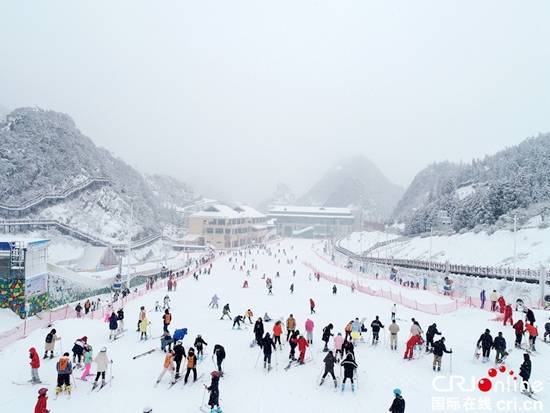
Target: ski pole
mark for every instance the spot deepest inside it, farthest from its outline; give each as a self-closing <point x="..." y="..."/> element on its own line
<point x="74" y="381"/>
<point x="203" y="396"/>
<point x="258" y="358"/>
<point x="451" y="364"/>
<point x="111" y="379"/>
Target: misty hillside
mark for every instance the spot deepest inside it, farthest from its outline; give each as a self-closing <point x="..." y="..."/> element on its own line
<point x="43" y="152"/>
<point x="3" y="112"/>
<point x="485" y="192"/>
<point x="169" y="191"/>
<point x="355" y="181"/>
<point x="282" y="195"/>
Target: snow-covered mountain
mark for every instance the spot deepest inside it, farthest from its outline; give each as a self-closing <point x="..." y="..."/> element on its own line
<point x="486" y="192"/>
<point x="42" y="152"/>
<point x="282" y="195"/>
<point x="355" y="181"/>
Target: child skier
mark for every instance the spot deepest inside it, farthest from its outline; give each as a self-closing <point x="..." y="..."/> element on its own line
<point x="327" y="334"/>
<point x="309" y="330"/>
<point x="35" y="365"/>
<point x="214" y="399"/>
<point x="141" y="317"/>
<point x="302" y="346"/>
<point x="226" y="312"/>
<point x="191" y="365"/>
<point x="88" y="355"/>
<point x="166" y="320"/>
<point x="430" y="334"/>
<point x="525" y="373"/>
<point x="166" y="302"/>
<point x="120" y="317"/>
<point x="499" y="344"/>
<point x="338" y="342"/>
<point x="237" y="321"/>
<point x="329" y="361"/>
<point x="42" y="402"/>
<point x="199" y="345"/>
<point x="248" y="314"/>
<point x="277" y="332"/>
<point x="293" y="343"/>
<point x="398" y="404"/>
<point x="219" y="352"/>
<point x="179" y="354"/>
<point x="102" y="362"/>
<point x="143" y="326"/>
<point x="51" y="338"/>
<point x="113" y="326"/>
<point x="376" y="325"/>
<point x="64" y="369"/>
<point x="214" y="301"/>
<point x="349" y="366"/>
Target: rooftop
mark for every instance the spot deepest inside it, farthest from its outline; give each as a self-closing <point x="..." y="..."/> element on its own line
<point x="225" y="211"/>
<point x="308" y="210"/>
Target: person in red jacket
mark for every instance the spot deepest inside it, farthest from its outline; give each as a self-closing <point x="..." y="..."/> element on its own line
<point x="413" y="341"/>
<point x="42" y="402"/>
<point x="518" y="327"/>
<point x="302" y="345"/>
<point x="311" y="306"/>
<point x="501" y="304"/>
<point x="508" y="314"/>
<point x="35" y="364"/>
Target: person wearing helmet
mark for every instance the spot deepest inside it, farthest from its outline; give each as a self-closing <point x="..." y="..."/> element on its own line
<point x="42" y="402"/>
<point x="398" y="405"/>
<point x="214" y="399"/>
<point x="102" y="361"/>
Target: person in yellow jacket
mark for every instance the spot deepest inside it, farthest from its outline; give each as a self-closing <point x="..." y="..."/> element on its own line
<point x="143" y="326"/>
<point x="290" y="326"/>
<point x="168" y="366"/>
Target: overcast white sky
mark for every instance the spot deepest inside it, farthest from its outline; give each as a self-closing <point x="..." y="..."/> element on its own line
<point x="242" y="94"/>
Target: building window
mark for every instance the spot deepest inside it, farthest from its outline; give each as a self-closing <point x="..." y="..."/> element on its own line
<point x="219" y="230"/>
<point x="209" y="230"/>
<point x="221" y="221"/>
<point x="227" y="231"/>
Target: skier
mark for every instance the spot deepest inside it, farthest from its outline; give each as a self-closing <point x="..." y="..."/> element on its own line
<point x="64" y="369"/>
<point x="482" y="298"/>
<point x="329" y="361"/>
<point x="485" y="342"/>
<point x="309" y="325"/>
<point x="191" y="365"/>
<point x="42" y="402"/>
<point x="113" y="325"/>
<point x="168" y="367"/>
<point x="166" y="303"/>
<point x="293" y="343"/>
<point x="219" y="352"/>
<point x="166" y="320"/>
<point x="248" y="314"/>
<point x="277" y="332"/>
<point x="166" y="341"/>
<point x="88" y="356"/>
<point x="143" y="326"/>
<point x="518" y="328"/>
<point x="546" y="330"/>
<point x="430" y="334"/>
<point x="142" y="315"/>
<point x="290" y="326"/>
<point x="311" y="306"/>
<point x="327" y="334"/>
<point x="411" y="343"/>
<point x="51" y="338"/>
<point x="508" y="315"/>
<point x="214" y="399"/>
<point x="493" y="297"/>
<point x="529" y="316"/>
<point x="438" y="349"/>
<point x="525" y="373"/>
<point x="394" y="329"/>
<point x="237" y="321"/>
<point x="347" y="330"/>
<point x="267" y="318"/>
<point x="214" y="301"/>
<point x="179" y="354"/>
<point x="226" y="312"/>
<point x="102" y="361"/>
<point x="35" y="365"/>
<point x="78" y="310"/>
<point x="78" y="350"/>
<point x="268" y="346"/>
<point x="179" y="334"/>
<point x="533" y="333"/>
<point x="302" y="346"/>
<point x="501" y="304"/>
<point x="499" y="344"/>
<point x="120" y="317"/>
<point x="415" y="328"/>
<point x="334" y="289"/>
<point x="398" y="404"/>
<point x="349" y="366"/>
<point x="376" y="325"/>
<point x="199" y="343"/>
<point x="259" y="331"/>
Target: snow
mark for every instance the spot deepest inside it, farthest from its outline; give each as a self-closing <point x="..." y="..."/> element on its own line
<point x="465" y="191"/>
<point x="481" y="248"/>
<point x="8" y="319"/>
<point x="360" y="241"/>
<point x="247" y="388"/>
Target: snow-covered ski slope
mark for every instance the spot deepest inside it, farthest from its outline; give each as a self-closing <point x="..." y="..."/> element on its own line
<point x="247" y="388"/>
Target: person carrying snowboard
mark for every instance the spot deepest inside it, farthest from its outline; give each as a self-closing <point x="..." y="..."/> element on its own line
<point x="42" y="402"/>
<point x="199" y="346"/>
<point x="499" y="344"/>
<point x="329" y="361"/>
<point x="191" y="365"/>
<point x="214" y="399"/>
<point x="398" y="404"/>
<point x="226" y="312"/>
<point x="394" y="329"/>
<point x="485" y="342"/>
<point x="51" y="338"/>
<point x="438" y="349"/>
<point x="290" y="326"/>
<point x="327" y="334"/>
<point x="268" y="346"/>
<point x="430" y="334"/>
<point x="349" y="366"/>
<point x="102" y="362"/>
<point x="219" y="352"/>
<point x="376" y="325"/>
<point x="35" y="365"/>
<point x="64" y="369"/>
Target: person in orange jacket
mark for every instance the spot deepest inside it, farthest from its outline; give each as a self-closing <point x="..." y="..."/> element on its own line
<point x="278" y="332"/>
<point x="302" y="345"/>
<point x="508" y="315"/>
<point x="42" y="402"/>
<point x="168" y="366"/>
<point x="35" y="365"/>
<point x="413" y="341"/>
<point x="533" y="333"/>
